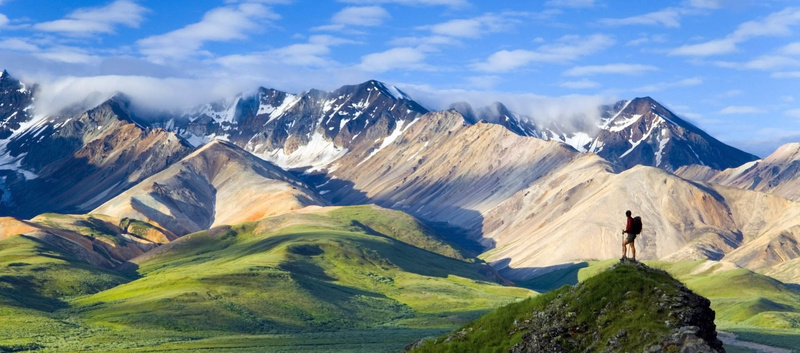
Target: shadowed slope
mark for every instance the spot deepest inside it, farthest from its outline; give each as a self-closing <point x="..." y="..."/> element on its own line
<point x="326" y="269"/>
<point x="217" y="184"/>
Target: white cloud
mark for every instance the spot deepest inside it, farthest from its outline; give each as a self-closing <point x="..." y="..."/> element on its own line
<point x="221" y="24"/>
<point x="776" y="24"/>
<point x="69" y="55"/>
<point x="787" y="98"/>
<point x="429" y="43"/>
<point x="451" y="3"/>
<point x="786" y="74"/>
<point x="484" y="81"/>
<point x="3" y="20"/>
<point x="712" y="47"/>
<point x="668" y="17"/>
<point x="731" y="93"/>
<point x="395" y="58"/>
<point x="570" y="3"/>
<point x="706" y="4"/>
<point x="367" y="16"/>
<point x="619" y="69"/>
<point x="646" y="39"/>
<point x="770" y="62"/>
<point x="741" y="109"/>
<point x="314" y="53"/>
<point x="18" y="44"/>
<point x="581" y="84"/>
<point x="568" y="48"/>
<point x="795" y="113"/>
<point x="473" y="27"/>
<point x="328" y="40"/>
<point x="694" y="81"/>
<point x="790" y="49"/>
<point x="145" y="92"/>
<point x="580" y="110"/>
<point x="90" y="21"/>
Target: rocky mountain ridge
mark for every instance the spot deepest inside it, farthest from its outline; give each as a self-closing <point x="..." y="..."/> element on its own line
<point x="778" y="173"/>
<point x="494" y="180"/>
<point x="629" y="133"/>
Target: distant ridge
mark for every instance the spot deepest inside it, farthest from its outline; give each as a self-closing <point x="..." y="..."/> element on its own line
<point x="217" y="184"/>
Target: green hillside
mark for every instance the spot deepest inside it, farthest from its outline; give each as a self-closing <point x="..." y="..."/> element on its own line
<point x="626" y="308"/>
<point x="756" y="307"/>
<point x="286" y="281"/>
<point x="37" y="281"/>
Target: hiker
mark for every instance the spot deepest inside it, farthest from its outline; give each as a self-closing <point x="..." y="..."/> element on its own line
<point x="632" y="229"/>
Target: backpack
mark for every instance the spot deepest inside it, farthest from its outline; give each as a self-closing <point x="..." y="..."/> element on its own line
<point x="636" y="226"/>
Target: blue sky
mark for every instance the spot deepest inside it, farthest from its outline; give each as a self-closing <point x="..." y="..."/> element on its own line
<point x="731" y="67"/>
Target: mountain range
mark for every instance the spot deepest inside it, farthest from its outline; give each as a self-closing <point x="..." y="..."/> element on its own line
<point x="124" y="190"/>
<point x="501" y="179"/>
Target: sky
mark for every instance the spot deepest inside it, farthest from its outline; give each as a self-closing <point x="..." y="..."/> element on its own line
<point x="731" y="67"/>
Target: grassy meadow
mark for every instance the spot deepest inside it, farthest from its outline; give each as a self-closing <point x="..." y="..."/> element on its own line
<point x="354" y="279"/>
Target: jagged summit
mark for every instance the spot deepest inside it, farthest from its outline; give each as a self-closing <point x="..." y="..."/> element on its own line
<point x="606" y="313"/>
<point x="643" y="132"/>
<point x="497" y="113"/>
<point x="640" y="131"/>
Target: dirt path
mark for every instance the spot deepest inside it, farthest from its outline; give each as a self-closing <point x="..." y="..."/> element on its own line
<point x="729" y="338"/>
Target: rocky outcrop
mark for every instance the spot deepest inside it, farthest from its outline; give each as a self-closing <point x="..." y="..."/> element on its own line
<point x="688" y="317"/>
<point x="628" y="308"/>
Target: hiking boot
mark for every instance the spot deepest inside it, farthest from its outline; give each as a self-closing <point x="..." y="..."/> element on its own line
<point x="622" y="259"/>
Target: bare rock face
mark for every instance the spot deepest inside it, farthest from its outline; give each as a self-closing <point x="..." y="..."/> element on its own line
<point x="442" y="169"/>
<point x="643" y="132"/>
<point x="218" y="184"/>
<point x="74" y="162"/>
<point x="307" y="130"/>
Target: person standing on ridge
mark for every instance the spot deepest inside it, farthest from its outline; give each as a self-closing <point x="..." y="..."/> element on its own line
<point x="632" y="229"/>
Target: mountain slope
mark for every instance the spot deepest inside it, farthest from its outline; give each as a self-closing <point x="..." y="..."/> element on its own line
<point x="217" y="184"/>
<point x="624" y="309"/>
<point x="311" y="129"/>
<point x="16" y="104"/>
<point x="441" y="169"/>
<point x="96" y="239"/>
<point x="324" y="269"/>
<point x="643" y="132"/>
<point x="778" y="173"/>
<point x="629" y="133"/>
<point x="575" y="213"/>
<point x="73" y="162"/>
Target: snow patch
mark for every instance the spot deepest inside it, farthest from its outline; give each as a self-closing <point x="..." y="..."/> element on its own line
<point x="624" y="123"/>
<point x="420" y="150"/>
<point x="604" y="125"/>
<point x="317" y="154"/>
<point x="275" y="112"/>
<point x="399" y="129"/>
<point x="579" y="141"/>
